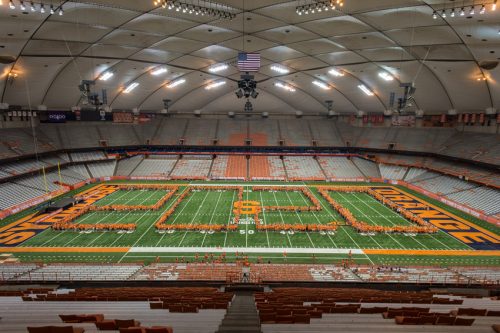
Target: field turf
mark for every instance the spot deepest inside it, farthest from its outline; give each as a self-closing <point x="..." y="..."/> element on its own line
<point x="216" y="207"/>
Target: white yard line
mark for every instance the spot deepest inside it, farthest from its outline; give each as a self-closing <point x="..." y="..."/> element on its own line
<point x="282" y="221"/>
<point x="298" y="215"/>
<point x="194" y="217"/>
<point x="229" y="218"/>
<point x="239" y="249"/>
<point x="264" y="218"/>
<point x="211" y="219"/>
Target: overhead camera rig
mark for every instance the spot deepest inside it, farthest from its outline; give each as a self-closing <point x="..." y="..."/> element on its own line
<point x="247" y="88"/>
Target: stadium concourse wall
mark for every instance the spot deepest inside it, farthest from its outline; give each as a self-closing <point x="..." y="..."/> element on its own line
<point x="67" y="188"/>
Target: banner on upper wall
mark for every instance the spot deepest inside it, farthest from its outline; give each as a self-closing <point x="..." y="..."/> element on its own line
<point x="56" y="117"/>
<point x="398" y="120"/>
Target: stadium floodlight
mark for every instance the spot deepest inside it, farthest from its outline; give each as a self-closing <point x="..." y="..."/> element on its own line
<point x="130" y="87"/>
<point x="365" y="90"/>
<point x="322" y="85"/>
<point x="335" y="72"/>
<point x="11" y="5"/>
<point x="32" y="7"/>
<point x="280" y="69"/>
<point x="158" y="71"/>
<point x="218" y="68"/>
<point x="175" y="83"/>
<point x="106" y="76"/>
<point x="22" y="6"/>
<point x="386" y="76"/>
<point x="284" y="86"/>
<point x="215" y="85"/>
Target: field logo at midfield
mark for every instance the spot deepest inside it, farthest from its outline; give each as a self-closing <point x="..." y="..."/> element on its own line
<point x="30" y="226"/>
<point x="474" y="236"/>
<point x="247" y="207"/>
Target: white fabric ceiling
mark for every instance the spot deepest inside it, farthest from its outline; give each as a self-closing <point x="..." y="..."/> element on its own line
<point x="54" y="53"/>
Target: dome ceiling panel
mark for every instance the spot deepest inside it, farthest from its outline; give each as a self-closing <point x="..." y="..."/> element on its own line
<point x="424" y="36"/>
<point x="41" y="72"/>
<point x="336" y="26"/>
<point x="131" y="38"/>
<point x="280" y="53"/>
<point x="91" y="14"/>
<point x="155" y="55"/>
<point x="339" y="58"/>
<point x="317" y="46"/>
<point x="287" y="34"/>
<point x="369" y="40"/>
<point x="386" y="54"/>
<point x="304" y="63"/>
<point x="216" y="52"/>
<point x="110" y="51"/>
<point x="71" y="32"/>
<point x="54" y="47"/>
<point x="158" y="24"/>
<point x="441" y="52"/>
<point x="208" y="34"/>
<point x="400" y="18"/>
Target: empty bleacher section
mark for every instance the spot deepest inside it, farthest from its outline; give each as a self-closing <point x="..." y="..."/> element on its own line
<point x="325" y="133"/>
<point x="232" y="132"/>
<point x="368" y="168"/>
<point x="116" y="135"/>
<point x="191" y="168"/>
<point x="79" y="135"/>
<point x="68" y="272"/>
<point x="18" y="168"/>
<point x="79" y="170"/>
<point x="339" y="168"/>
<point x="295" y="133"/>
<point x="200" y="132"/>
<point x="414" y="173"/>
<point x="88" y="156"/>
<point x="481" y="198"/>
<point x="20" y="142"/>
<point x="219" y="167"/>
<point x="376" y="137"/>
<point x="421" y="176"/>
<point x="259" y="167"/>
<point x="393" y="172"/>
<point x="303" y="168"/>
<point x="14" y="194"/>
<point x="236" y="167"/>
<point x="11" y="271"/>
<point x="276" y="167"/>
<point x="168" y="131"/>
<point x="154" y="167"/>
<point x="443" y="185"/>
<point x="102" y="169"/>
<point x="127" y="165"/>
<point x="49" y="181"/>
<point x="264" y="132"/>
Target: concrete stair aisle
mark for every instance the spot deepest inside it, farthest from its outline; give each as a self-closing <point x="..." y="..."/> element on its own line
<point x="242" y="315"/>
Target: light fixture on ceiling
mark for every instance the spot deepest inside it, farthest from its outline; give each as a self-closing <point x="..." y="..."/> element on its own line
<point x="218" y="68"/>
<point x="130" y="87"/>
<point x="52" y="10"/>
<point x="175" y="83"/>
<point x="460" y="11"/>
<point x="11" y="5"/>
<point x="336" y="72"/>
<point x="284" y="86"/>
<point x="61" y="12"/>
<point x="279" y="69"/>
<point x="322" y="85"/>
<point x="106" y="76"/>
<point x="315" y="6"/>
<point x="365" y="90"/>
<point x="159" y="71"/>
<point x="386" y="76"/>
<point x="199" y="8"/>
<point x="22" y="6"/>
<point x="42" y="8"/>
<point x="32" y="7"/>
<point x="215" y="85"/>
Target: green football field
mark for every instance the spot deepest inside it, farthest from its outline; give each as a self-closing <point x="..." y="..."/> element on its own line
<point x="215" y="207"/>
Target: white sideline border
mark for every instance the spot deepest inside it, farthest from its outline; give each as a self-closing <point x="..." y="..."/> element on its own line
<point x="242" y="250"/>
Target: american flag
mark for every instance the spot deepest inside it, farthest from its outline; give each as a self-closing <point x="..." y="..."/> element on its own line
<point x="249" y="62"/>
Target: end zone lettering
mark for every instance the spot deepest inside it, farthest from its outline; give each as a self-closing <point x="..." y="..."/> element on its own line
<point x="465" y="231"/>
<point x="28" y="227"/>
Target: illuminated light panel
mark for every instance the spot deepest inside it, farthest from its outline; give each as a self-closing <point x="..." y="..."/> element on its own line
<point x="365" y="90"/>
<point x="322" y="85"/>
<point x="284" y="86"/>
<point x="106" y="76"/>
<point x="131" y="87"/>
<point x="280" y="69"/>
<point x="175" y="83"/>
<point x="218" y="68"/>
<point x="335" y="72"/>
<point x="159" y="71"/>
<point x="215" y="85"/>
<point x="386" y="76"/>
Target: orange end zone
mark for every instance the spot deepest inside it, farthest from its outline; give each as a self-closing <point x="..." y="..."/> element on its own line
<point x="432" y="252"/>
<point x="64" y="249"/>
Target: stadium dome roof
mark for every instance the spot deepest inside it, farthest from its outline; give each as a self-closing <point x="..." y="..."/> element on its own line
<point x="130" y="38"/>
